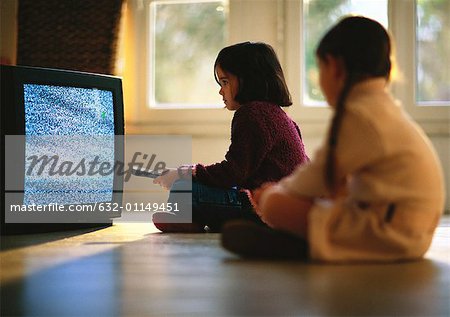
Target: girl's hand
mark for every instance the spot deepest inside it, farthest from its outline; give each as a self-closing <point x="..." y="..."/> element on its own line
<point x="255" y="195"/>
<point x="166" y="180"/>
<point x="279" y="209"/>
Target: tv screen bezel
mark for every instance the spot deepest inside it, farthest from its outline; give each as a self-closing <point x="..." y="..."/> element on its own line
<point x="13" y="117"/>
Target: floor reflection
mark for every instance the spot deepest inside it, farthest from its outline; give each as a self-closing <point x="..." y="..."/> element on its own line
<point x="129" y="271"/>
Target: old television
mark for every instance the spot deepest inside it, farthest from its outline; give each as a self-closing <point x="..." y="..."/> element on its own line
<point x="58" y="127"/>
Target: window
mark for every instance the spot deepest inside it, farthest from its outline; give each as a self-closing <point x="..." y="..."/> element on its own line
<point x="174" y="44"/>
<point x="318" y="16"/>
<point x="432" y="52"/>
<point x="185" y="37"/>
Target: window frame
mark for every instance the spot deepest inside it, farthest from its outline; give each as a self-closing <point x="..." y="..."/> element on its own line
<point x="279" y="24"/>
<point x="433" y="117"/>
<point x="151" y="80"/>
<point x="140" y="118"/>
<point x="313" y="119"/>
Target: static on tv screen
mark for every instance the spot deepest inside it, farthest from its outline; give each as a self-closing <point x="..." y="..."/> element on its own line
<point x="70" y="127"/>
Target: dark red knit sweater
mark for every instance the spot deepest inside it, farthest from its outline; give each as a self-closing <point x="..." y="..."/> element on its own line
<point x="266" y="145"/>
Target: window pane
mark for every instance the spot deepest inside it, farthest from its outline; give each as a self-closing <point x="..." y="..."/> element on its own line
<point x="186" y="37"/>
<point x="319" y="16"/>
<point x="433" y="51"/>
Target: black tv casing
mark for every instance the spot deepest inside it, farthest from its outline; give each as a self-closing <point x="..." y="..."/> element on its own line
<point x="12" y="79"/>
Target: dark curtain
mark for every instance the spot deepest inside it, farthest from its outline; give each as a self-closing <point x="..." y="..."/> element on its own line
<point x="69" y="34"/>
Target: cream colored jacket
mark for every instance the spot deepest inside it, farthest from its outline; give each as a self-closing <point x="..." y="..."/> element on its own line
<point x="392" y="183"/>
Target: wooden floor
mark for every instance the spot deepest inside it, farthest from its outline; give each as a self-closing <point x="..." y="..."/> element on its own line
<point x="132" y="270"/>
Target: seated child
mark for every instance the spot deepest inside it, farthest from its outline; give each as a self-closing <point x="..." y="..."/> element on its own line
<point x="266" y="144"/>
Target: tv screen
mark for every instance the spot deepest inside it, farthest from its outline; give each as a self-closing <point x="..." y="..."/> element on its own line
<point x="60" y="129"/>
<point x="68" y="111"/>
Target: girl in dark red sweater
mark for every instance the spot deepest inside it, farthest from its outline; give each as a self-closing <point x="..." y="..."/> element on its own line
<point x="266" y="145"/>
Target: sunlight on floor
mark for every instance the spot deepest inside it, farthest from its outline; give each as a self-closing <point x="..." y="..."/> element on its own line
<point x="27" y="260"/>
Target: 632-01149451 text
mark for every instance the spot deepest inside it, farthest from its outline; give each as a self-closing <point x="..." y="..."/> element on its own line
<point x="102" y="207"/>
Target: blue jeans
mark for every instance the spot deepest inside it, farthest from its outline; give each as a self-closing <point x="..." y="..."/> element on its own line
<point x="210" y="206"/>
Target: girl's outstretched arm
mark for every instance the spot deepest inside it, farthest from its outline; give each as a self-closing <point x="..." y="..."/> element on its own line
<point x="281" y="210"/>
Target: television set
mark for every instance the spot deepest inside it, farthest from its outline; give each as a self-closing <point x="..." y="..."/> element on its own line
<point x="60" y="129"/>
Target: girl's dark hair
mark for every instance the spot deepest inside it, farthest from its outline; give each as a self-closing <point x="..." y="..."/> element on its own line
<point x="258" y="71"/>
<point x="364" y="47"/>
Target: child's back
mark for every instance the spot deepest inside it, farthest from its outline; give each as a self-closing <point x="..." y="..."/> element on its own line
<point x="394" y="190"/>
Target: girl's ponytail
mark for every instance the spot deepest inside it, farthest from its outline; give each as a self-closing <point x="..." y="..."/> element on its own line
<point x="365" y="49"/>
<point x="336" y="122"/>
